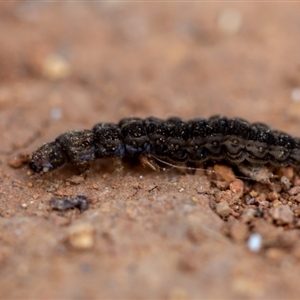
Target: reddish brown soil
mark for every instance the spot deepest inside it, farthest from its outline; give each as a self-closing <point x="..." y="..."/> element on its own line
<point x="146" y="235"/>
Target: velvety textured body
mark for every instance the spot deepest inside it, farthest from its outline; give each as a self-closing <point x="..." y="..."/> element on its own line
<point x="173" y="140"/>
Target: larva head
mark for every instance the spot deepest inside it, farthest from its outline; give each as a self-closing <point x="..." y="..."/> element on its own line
<point x="47" y="158"/>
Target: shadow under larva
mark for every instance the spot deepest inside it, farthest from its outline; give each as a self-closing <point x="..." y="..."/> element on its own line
<point x="174" y="140"/>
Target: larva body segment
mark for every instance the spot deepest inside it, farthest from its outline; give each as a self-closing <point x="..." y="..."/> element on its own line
<point x="134" y="137"/>
<point x="294" y="157"/>
<point x="174" y="140"/>
<point x="157" y="133"/>
<point x="108" y="140"/>
<point x="78" y="146"/>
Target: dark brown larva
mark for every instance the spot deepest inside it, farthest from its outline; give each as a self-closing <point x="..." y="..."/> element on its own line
<point x="174" y="140"/>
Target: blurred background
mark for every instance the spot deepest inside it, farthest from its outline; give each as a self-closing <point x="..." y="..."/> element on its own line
<point x="66" y="65"/>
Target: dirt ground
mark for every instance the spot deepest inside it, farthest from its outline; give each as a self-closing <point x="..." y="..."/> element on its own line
<point x="146" y="235"/>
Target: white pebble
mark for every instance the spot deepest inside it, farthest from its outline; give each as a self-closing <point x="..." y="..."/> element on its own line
<point x="187" y="208"/>
<point x="45" y="169"/>
<point x="254" y="242"/>
<point x="81" y="236"/>
<point x="56" y="67"/>
<point x="24" y="205"/>
<point x="230" y="21"/>
<point x="295" y="94"/>
<point x="55" y="113"/>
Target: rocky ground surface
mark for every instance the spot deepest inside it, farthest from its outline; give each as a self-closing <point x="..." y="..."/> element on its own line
<point x="134" y="233"/>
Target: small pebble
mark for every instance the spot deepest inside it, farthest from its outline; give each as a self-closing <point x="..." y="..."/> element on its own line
<point x="248" y="215"/>
<point x="56" y="67"/>
<point x="275" y="254"/>
<point x="75" y="179"/>
<point x="294" y="190"/>
<point x="55" y="113"/>
<point x="272" y="196"/>
<point x="296" y="182"/>
<point x="253" y="194"/>
<point x="24" y="205"/>
<point x="276" y="203"/>
<point x="51" y="188"/>
<point x="36" y="196"/>
<point x="195" y="200"/>
<point x="237" y="187"/>
<point x="223" y="209"/>
<point x="224" y="196"/>
<point x="30" y="184"/>
<point x="282" y="214"/>
<point x="249" y="200"/>
<point x="261" y="199"/>
<point x="285" y="182"/>
<point x="254" y="242"/>
<point x="288" y="172"/>
<point x="81" y="236"/>
<point x="225" y="173"/>
<point x="18" y="161"/>
<point x="296" y="198"/>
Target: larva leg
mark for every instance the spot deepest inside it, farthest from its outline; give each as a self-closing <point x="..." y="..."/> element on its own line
<point x="146" y="161"/>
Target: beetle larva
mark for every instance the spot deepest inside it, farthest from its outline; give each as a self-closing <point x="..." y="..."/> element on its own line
<point x="174" y="140"/>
